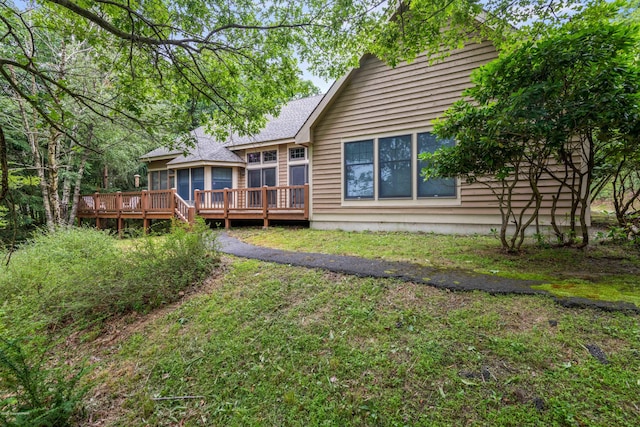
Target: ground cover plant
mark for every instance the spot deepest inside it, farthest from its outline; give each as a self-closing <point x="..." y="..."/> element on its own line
<point x="75" y="280"/>
<point x="271" y="344"/>
<point x="602" y="271"/>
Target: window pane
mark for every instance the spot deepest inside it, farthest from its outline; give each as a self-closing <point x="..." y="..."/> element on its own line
<point x="394" y="156"/>
<point x="164" y="180"/>
<point x="435" y="187"/>
<point x="298" y="175"/>
<point x="296" y="153"/>
<point x="155" y="180"/>
<point x="253" y="158"/>
<point x="221" y="178"/>
<point x="269" y="177"/>
<point x="183" y="183"/>
<point x="254" y="178"/>
<point x="270" y="156"/>
<point x="358" y="169"/>
<point x="197" y="180"/>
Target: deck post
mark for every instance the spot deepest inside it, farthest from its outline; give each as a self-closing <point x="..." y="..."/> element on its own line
<point x="144" y="206"/>
<point x="96" y="203"/>
<point x="173" y="200"/>
<point x="306" y="201"/>
<point x="265" y="210"/>
<point x="225" y="208"/>
<point x="196" y="202"/>
<point x="191" y="215"/>
<point x="119" y="212"/>
<point x="143" y="203"/>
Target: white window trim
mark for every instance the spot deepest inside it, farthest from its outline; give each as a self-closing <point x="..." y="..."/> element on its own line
<point x="295" y="161"/>
<point x="270" y="162"/>
<point x="375" y="201"/>
<point x="298" y="162"/>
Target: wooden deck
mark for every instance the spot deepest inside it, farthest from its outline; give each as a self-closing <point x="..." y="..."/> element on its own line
<point x="289" y="203"/>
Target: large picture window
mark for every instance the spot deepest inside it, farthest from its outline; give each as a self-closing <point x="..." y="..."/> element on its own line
<point x="358" y="168"/>
<point x="434" y="187"/>
<point x="388" y="168"/>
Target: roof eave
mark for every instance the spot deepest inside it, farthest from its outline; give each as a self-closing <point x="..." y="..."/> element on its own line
<point x="304" y="134"/>
<point x="197" y="163"/>
<point x="260" y="144"/>
<point x="159" y="157"/>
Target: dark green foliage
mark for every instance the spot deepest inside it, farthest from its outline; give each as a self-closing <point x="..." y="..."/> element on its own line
<point x="571" y="96"/>
<point x="38" y="396"/>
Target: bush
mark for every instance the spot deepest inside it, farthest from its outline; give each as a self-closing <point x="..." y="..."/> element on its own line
<point x="84" y="275"/>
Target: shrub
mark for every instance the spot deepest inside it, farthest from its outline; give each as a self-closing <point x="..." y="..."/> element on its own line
<point x="84" y="275"/>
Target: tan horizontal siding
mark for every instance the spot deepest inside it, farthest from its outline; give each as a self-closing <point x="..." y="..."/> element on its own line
<point x="378" y="99"/>
<point x="282" y="165"/>
<point x="157" y="164"/>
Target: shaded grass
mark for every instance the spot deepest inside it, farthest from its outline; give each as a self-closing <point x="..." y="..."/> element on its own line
<point x="606" y="272"/>
<point x="278" y="345"/>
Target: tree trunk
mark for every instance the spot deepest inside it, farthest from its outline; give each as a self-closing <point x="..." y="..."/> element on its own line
<point x="76" y="191"/>
<point x="53" y="175"/>
<point x="4" y="167"/>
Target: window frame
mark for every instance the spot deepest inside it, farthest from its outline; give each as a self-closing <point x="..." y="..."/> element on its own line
<point x="157" y="177"/>
<point x="297" y="149"/>
<point x="345" y="166"/>
<point x="376" y="200"/>
<point x="253" y="155"/>
<point x="271" y="159"/>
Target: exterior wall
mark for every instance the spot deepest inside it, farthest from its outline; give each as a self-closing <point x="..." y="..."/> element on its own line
<point x="283" y="168"/>
<point x="379" y="101"/>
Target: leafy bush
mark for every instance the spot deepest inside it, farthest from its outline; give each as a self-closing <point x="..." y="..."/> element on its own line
<point x="32" y="394"/>
<point x="84" y="275"/>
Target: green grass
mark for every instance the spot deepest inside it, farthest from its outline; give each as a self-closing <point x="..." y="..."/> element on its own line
<point x="267" y="344"/>
<point x="278" y="345"/>
<point x="602" y="271"/>
<point x="71" y="283"/>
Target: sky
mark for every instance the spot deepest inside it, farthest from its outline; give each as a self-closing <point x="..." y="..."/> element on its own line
<point x="321" y="83"/>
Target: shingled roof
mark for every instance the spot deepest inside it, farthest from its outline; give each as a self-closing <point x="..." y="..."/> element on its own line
<point x="207" y="149"/>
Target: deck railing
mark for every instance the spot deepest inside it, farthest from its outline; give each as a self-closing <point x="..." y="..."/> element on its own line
<point x="184" y="211"/>
<point x="288" y="198"/>
<point x="290" y="202"/>
<point x="157" y="201"/>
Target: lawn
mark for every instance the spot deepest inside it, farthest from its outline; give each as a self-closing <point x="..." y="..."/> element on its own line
<point x="602" y="271"/>
<point x="266" y="344"/>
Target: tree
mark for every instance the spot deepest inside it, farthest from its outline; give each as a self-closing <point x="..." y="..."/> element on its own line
<point x="225" y="63"/>
<point x="567" y="97"/>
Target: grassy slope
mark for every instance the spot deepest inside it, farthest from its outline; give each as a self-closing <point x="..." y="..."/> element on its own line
<point x="606" y="272"/>
<point x="276" y="345"/>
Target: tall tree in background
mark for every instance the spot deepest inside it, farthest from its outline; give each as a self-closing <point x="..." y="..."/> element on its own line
<point x="225" y="63"/>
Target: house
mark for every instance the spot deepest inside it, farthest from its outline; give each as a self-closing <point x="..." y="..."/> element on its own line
<point x="347" y="159"/>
